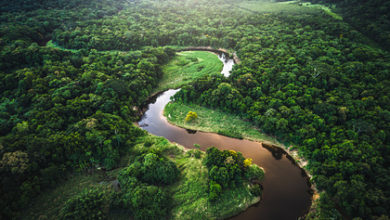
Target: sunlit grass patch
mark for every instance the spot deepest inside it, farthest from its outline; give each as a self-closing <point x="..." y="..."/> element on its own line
<point x="188" y="66"/>
<point x="211" y="120"/>
<point x="293" y="7"/>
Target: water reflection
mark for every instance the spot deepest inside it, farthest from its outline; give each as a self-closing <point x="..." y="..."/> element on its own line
<point x="189" y="131"/>
<point x="227" y="64"/>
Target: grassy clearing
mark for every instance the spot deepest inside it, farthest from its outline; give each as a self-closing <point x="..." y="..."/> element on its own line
<point x="51" y="44"/>
<point x="187" y="66"/>
<point x="269" y="7"/>
<point x="289" y="7"/>
<point x="326" y="9"/>
<point x="216" y="121"/>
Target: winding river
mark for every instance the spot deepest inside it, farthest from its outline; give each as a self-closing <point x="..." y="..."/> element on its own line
<point x="286" y="193"/>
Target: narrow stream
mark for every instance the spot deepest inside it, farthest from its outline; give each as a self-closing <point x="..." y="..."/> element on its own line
<point x="286" y="193"/>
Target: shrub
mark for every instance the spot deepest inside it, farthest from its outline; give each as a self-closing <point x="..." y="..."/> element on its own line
<point x="219" y="175"/>
<point x="194" y="153"/>
<point x="254" y="173"/>
<point x="214" y="190"/>
<point x="229" y="168"/>
<point x="89" y="204"/>
<point x="144" y="201"/>
<point x="213" y="157"/>
<point x="158" y="170"/>
<point x="191" y="116"/>
<point x="255" y="190"/>
<point x="247" y="162"/>
<point x="147" y="202"/>
<point x="230" y="133"/>
<point x="153" y="169"/>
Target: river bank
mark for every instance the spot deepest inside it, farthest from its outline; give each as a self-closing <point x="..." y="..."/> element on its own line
<point x="211" y="120"/>
<point x="280" y="201"/>
<point x="286" y="194"/>
<point x="190" y="194"/>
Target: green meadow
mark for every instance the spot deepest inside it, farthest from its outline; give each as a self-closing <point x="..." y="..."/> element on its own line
<point x="187" y="66"/>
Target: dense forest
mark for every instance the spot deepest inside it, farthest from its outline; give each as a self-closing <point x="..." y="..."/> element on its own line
<point x="369" y="17"/>
<point x="306" y="78"/>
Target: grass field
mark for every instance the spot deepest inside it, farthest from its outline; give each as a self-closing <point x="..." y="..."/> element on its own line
<point x="216" y="121"/>
<point x="270" y="7"/>
<point x="187" y="66"/>
<point x="288" y="7"/>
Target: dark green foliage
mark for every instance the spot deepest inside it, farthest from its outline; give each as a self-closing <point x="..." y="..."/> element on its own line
<point x="312" y="81"/>
<point x="145" y="201"/>
<point x="219" y="175"/>
<point x="254" y="172"/>
<point x="157" y="170"/>
<point x="74" y="111"/>
<point x="194" y="153"/>
<point x="148" y="202"/>
<point x="226" y="158"/>
<point x="370" y="17"/>
<point x="305" y="78"/>
<point x="231" y="133"/>
<point x="89" y="204"/>
<point x="215" y="190"/>
<point x="256" y="189"/>
<point x="226" y="168"/>
<point x="153" y="169"/>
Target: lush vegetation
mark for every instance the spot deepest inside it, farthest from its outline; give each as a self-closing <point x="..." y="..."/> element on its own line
<point x="71" y="113"/>
<point x="194" y="196"/>
<point x="312" y="95"/>
<point x="145" y="201"/>
<point x="370" y="17"/>
<point x="228" y="169"/>
<point x="305" y="77"/>
<point x="89" y="204"/>
<point x="188" y="66"/>
<point x="153" y="169"/>
<point x="50" y="203"/>
<point x="214" y="120"/>
<point x="183" y="195"/>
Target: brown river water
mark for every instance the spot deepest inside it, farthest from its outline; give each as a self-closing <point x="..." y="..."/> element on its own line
<point x="286" y="190"/>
